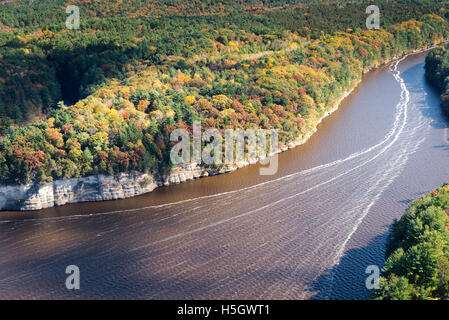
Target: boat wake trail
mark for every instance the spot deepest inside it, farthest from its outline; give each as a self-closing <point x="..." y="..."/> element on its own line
<point x="390" y="135"/>
<point x="280" y="239"/>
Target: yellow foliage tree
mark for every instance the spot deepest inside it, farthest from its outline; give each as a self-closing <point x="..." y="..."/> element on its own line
<point x="189" y="99"/>
<point x="143" y="105"/>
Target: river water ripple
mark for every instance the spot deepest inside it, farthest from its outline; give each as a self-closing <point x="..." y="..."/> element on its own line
<point x="308" y="232"/>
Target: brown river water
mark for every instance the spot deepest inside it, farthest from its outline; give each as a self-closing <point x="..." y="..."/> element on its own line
<point x="308" y="232"/>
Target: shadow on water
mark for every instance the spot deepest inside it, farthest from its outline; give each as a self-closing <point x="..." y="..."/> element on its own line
<point x="430" y="105"/>
<point x="416" y="196"/>
<point x="109" y="269"/>
<point x="346" y="280"/>
<point x="113" y="280"/>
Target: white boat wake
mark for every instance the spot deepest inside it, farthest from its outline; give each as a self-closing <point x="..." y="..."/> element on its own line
<point x="271" y="240"/>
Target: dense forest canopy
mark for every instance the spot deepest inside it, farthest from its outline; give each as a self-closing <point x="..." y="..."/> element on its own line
<point x="417" y="250"/>
<point x="117" y="33"/>
<point x="417" y="265"/>
<point x="437" y="72"/>
<point x="129" y="77"/>
<point x="104" y="99"/>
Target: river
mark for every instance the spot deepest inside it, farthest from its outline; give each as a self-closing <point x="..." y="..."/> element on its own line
<point x="308" y="232"/>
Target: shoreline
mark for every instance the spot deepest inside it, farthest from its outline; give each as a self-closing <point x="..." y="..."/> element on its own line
<point x="96" y="188"/>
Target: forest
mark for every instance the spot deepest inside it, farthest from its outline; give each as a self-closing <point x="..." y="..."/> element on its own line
<point x="437" y="73"/>
<point x="417" y="250"/>
<point x="43" y="63"/>
<point x="417" y="255"/>
<point x="105" y="98"/>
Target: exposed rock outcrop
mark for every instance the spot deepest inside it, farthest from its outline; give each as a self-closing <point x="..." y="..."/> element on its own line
<point x="103" y="188"/>
<point x="60" y="192"/>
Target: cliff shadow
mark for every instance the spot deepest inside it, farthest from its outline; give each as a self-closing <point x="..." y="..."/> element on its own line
<point x="83" y="69"/>
<point x="430" y="104"/>
<point x="346" y="280"/>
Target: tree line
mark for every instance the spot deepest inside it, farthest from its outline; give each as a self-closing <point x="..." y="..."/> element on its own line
<point x="245" y="80"/>
<point x="41" y="63"/>
<point x="417" y="255"/>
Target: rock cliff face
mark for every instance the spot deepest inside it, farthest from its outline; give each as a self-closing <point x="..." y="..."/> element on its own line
<point x="60" y="192"/>
<point x="125" y="185"/>
<point x="102" y="188"/>
<point x="93" y="188"/>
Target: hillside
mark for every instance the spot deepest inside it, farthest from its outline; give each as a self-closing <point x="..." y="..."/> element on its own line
<point x="41" y="62"/>
<point x="437" y="71"/>
<point x="129" y="81"/>
<point x="417" y="265"/>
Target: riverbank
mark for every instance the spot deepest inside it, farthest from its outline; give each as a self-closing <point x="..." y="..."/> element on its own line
<point x="125" y="185"/>
<point x="422" y="231"/>
<point x="269" y="225"/>
<point x="436" y="73"/>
